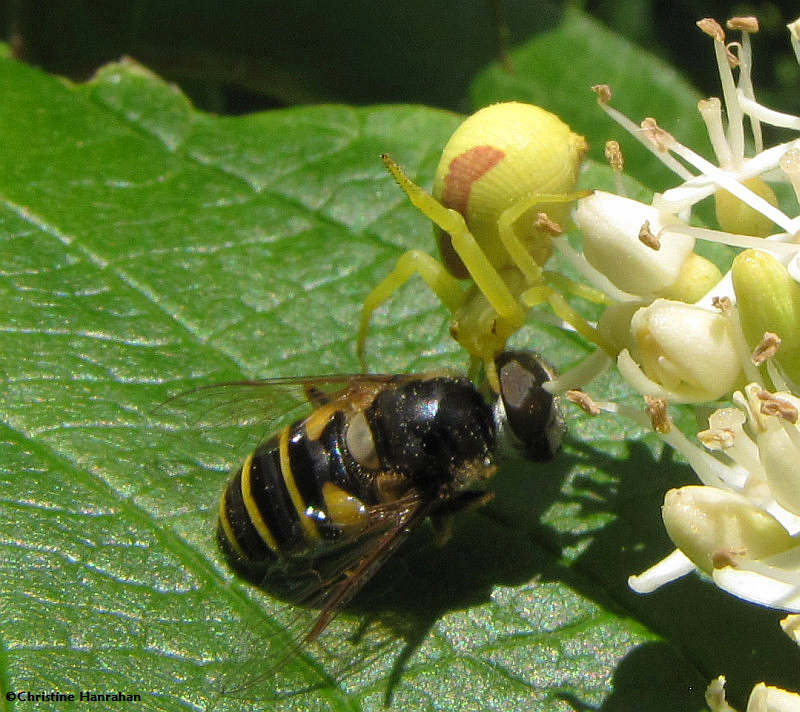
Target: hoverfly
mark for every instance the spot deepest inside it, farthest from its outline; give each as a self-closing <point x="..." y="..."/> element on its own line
<point x="315" y="510"/>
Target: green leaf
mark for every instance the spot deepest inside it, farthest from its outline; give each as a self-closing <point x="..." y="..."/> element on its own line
<point x="148" y="248"/>
<point x="557" y="69"/>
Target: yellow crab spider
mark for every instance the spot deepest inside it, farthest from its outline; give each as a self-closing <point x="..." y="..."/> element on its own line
<point x="503" y="168"/>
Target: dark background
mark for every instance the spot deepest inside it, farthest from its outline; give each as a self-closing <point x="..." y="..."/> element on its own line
<point x="238" y="56"/>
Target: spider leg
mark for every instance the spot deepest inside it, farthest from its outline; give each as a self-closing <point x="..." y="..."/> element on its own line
<point x="443" y="284"/>
<point x="520" y="254"/>
<point x="483" y="273"/>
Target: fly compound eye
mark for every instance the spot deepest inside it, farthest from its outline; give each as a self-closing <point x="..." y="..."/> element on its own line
<point x="532" y="415"/>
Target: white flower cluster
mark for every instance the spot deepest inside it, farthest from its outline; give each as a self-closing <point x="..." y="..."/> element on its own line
<point x="681" y="332"/>
<point x="763" y="698"/>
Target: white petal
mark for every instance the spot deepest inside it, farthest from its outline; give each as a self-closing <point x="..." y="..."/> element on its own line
<point x="687" y="350"/>
<point x="706" y="523"/>
<point x="789" y="521"/>
<point x="665" y="571"/>
<point x="791" y="626"/>
<point x="634" y="375"/>
<point x="780" y="459"/>
<point x="765" y="698"/>
<point x="611" y="224"/>
<point x="769" y="586"/>
<point x="715" y="696"/>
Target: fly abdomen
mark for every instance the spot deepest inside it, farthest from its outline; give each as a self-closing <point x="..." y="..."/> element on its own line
<point x="258" y="523"/>
<point x="287" y="502"/>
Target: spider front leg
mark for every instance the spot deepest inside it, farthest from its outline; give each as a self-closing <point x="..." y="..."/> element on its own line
<point x="507" y="314"/>
<point x="518" y="252"/>
<point x="480" y="268"/>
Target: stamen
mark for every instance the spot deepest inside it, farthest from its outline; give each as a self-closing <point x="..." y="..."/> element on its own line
<point x="751" y="373"/>
<point x="769" y="116"/>
<point x="721" y="292"/>
<point x="727" y="436"/>
<point x="747" y="25"/>
<point x="708" y="468"/>
<point x="717" y="438"/>
<point x="766" y="349"/>
<point x="604" y="94"/>
<point x="646" y="236"/>
<point x="699" y="187"/>
<point x="711" y="111"/>
<point x="663" y="140"/>
<point x="772" y="404"/>
<point x="733" y="57"/>
<point x="790" y="165"/>
<point x="794" y="37"/>
<point x="780" y="249"/>
<point x="583" y="401"/>
<point x="724" y="304"/>
<point x="732" y="109"/>
<point x="712" y="28"/>
<point x="793" y="432"/>
<point x="613" y="154"/>
<point x="725" y="180"/>
<point x="748" y="400"/>
<point x="548" y="226"/>
<point x="777" y="377"/>
<point x="582" y="373"/>
<point x="657" y="411"/>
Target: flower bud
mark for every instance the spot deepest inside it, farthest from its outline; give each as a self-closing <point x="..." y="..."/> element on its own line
<point x="791" y="626"/>
<point x="711" y="525"/>
<point x="768" y="299"/>
<point x="739" y="218"/>
<point x="611" y="226"/>
<point x="686" y="350"/>
<point x="614" y="324"/>
<point x="773" y="420"/>
<point x="772" y="699"/>
<point x="697" y="276"/>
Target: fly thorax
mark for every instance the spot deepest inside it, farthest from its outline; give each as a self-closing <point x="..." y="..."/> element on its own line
<point x="434" y="430"/>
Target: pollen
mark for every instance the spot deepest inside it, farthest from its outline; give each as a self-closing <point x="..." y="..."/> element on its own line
<point x="657" y="411"/>
<point x="766" y="349"/>
<point x="646" y="236"/>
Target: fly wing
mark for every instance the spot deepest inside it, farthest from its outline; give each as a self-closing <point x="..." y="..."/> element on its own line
<point x="336" y="580"/>
<point x="263" y="402"/>
<point x="253" y="410"/>
<point x="402" y="517"/>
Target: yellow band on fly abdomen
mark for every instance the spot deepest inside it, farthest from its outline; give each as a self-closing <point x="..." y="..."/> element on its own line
<point x="309" y="530"/>
<point x="252" y="508"/>
<point x="227" y="530"/>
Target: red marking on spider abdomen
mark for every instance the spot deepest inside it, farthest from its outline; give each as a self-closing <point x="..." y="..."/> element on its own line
<point x="463" y="171"/>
